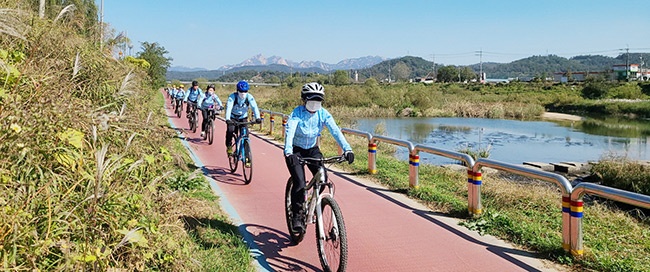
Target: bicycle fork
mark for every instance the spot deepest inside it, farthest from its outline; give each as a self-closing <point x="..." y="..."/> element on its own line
<point x="316" y="204"/>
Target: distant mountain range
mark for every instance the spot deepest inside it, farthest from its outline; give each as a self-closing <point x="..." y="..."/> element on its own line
<point x="260" y="60"/>
<point x="378" y="67"/>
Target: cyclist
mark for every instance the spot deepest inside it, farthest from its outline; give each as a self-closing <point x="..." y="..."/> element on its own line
<point x="179" y="95"/>
<point x="192" y="95"/>
<point x="304" y="125"/>
<point x="172" y="93"/>
<point x="237" y="110"/>
<point x="206" y="101"/>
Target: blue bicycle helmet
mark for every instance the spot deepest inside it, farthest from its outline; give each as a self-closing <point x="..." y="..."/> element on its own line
<point x="242" y="86"/>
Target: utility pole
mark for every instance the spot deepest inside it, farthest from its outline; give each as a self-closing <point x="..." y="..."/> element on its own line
<point x="627" y="63"/>
<point x="389" y="72"/>
<point x="480" y="75"/>
<point x="433" y="59"/>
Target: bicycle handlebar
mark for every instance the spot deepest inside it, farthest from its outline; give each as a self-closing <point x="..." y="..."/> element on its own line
<point x="334" y="159"/>
<point x="242" y="123"/>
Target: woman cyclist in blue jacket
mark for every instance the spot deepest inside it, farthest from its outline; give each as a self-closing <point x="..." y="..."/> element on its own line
<point x="206" y="101"/>
<point x="303" y="127"/>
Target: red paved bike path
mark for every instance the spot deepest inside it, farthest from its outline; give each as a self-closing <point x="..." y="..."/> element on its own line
<point x="386" y="231"/>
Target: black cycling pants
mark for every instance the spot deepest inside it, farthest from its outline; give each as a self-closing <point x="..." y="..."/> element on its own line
<point x="230" y="131"/>
<point x="297" y="172"/>
<point x="204" y="122"/>
<point x="190" y="104"/>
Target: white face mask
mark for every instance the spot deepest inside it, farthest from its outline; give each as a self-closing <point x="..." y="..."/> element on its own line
<point x="313" y="106"/>
<point x="241" y="95"/>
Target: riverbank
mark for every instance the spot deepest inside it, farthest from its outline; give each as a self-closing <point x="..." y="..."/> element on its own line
<point x="561" y="116"/>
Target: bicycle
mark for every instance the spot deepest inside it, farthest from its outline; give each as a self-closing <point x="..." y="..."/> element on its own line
<point x="192" y="116"/>
<point x="209" y="130"/>
<point x="321" y="208"/>
<point x="242" y="151"/>
<point x="179" y="107"/>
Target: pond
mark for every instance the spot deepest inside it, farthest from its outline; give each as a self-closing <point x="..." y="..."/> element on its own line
<point x="515" y="141"/>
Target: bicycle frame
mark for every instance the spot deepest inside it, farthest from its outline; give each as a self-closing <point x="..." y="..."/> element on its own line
<point x="241" y="139"/>
<point x="318" y="180"/>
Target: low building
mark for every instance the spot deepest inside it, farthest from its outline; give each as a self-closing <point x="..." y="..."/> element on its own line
<point x="625" y="72"/>
<point x="564" y="77"/>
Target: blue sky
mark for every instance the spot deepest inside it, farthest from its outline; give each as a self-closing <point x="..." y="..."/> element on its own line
<point x="213" y="33"/>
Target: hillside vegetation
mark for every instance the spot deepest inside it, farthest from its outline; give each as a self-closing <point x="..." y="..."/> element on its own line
<point x="91" y="176"/>
<point x="409" y="67"/>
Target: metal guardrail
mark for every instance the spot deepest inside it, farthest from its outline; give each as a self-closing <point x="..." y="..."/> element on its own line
<point x="272" y="116"/>
<point x="561" y="181"/>
<point x="576" y="210"/>
<point x="572" y="209"/>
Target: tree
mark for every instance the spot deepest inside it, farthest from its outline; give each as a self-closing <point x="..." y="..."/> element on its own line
<point x="401" y="71"/>
<point x="341" y="78"/>
<point x="448" y="73"/>
<point x="155" y="55"/>
<point x="467" y="74"/>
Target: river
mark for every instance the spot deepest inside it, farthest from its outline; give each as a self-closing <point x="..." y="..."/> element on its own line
<point x="516" y="142"/>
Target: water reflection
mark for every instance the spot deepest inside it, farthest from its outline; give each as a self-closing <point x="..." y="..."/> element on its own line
<point x="518" y="141"/>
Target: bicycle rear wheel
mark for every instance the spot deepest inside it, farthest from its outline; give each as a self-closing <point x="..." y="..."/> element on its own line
<point x="333" y="248"/>
<point x="296" y="237"/>
<point x="233" y="159"/>
<point x="247" y="162"/>
<point x="210" y="132"/>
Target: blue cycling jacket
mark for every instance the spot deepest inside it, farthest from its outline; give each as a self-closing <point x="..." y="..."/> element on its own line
<point x="180" y="94"/>
<point x="206" y="100"/>
<point x="239" y="110"/>
<point x="303" y="128"/>
<point x="192" y="95"/>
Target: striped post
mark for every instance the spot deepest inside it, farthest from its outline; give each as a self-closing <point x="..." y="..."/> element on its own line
<point x="474" y="181"/>
<point x="284" y="126"/>
<point x="262" y="123"/>
<point x="414" y="163"/>
<point x="372" y="156"/>
<point x="272" y="123"/>
<point x="566" y="221"/>
<point x="576" y="228"/>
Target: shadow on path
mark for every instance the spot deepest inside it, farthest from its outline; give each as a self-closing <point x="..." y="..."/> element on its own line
<point x="272" y="242"/>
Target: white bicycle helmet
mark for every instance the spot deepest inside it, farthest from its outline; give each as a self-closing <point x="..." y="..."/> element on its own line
<point x="312" y="91"/>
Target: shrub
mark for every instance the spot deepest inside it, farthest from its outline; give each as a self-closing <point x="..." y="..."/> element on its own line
<point x="595" y="90"/>
<point x="624" y="174"/>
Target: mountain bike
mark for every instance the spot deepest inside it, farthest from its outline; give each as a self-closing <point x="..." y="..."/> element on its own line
<point x="179" y="107"/>
<point x="321" y="208"/>
<point x="209" y="127"/>
<point x="192" y="116"/>
<point x="242" y="151"/>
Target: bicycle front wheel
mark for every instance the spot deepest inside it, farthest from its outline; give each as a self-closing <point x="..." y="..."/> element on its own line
<point x="192" y="118"/>
<point x="233" y="159"/>
<point x="247" y="162"/>
<point x="333" y="248"/>
<point x="210" y="132"/>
